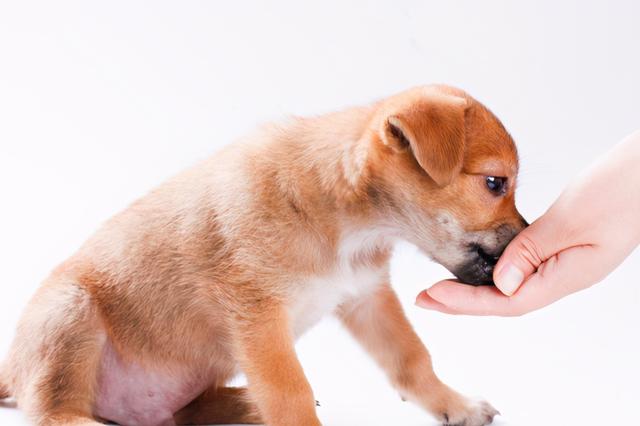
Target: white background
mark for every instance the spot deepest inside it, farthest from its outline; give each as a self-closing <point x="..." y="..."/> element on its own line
<point x="101" y="101"/>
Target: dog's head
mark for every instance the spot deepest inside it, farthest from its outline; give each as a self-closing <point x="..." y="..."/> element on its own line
<point x="445" y="171"/>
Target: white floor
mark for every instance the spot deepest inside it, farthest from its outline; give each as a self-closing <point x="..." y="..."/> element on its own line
<point x="100" y="101"/>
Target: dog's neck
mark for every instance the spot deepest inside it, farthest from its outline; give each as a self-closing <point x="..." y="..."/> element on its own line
<point x="325" y="158"/>
<point x="323" y="163"/>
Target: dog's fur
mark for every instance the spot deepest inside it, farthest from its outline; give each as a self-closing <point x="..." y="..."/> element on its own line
<point x="221" y="268"/>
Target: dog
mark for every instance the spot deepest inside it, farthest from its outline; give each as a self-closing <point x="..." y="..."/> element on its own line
<point x="221" y="268"/>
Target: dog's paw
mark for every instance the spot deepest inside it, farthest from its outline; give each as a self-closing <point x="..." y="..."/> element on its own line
<point x="472" y="413"/>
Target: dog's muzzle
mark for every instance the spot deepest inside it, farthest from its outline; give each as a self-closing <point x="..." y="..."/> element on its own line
<point x="481" y="260"/>
<point x="478" y="269"/>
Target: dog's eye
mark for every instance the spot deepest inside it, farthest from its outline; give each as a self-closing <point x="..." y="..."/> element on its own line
<point x="497" y="185"/>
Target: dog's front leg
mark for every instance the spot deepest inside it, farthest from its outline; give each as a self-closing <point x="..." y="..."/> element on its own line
<point x="277" y="383"/>
<point x="379" y="324"/>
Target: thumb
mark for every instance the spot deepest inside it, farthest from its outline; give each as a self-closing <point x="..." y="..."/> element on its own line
<point x="525" y="253"/>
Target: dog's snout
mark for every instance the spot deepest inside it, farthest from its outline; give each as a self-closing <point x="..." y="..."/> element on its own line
<point x="483" y="254"/>
<point x="490" y="259"/>
<point x="478" y="270"/>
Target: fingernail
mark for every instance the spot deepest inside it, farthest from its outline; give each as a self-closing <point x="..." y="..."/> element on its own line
<point x="509" y="279"/>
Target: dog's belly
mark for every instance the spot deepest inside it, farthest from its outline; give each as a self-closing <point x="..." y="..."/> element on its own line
<point x="131" y="395"/>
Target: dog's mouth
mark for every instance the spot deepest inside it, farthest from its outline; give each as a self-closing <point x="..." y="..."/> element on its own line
<point x="478" y="270"/>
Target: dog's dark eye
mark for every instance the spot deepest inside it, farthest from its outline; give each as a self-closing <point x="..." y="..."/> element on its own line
<point x="497" y="185"/>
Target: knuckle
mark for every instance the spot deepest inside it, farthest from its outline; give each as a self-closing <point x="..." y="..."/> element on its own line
<point x="528" y="251"/>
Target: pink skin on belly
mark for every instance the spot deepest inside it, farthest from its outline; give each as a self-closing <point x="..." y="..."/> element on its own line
<point x="130" y="395"/>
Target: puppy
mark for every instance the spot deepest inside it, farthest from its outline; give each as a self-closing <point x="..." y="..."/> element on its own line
<point x="221" y="268"/>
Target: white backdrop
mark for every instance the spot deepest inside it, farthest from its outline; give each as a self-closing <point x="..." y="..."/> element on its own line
<point x="100" y="101"/>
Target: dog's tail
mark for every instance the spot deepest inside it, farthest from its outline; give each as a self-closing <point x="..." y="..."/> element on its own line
<point x="4" y="383"/>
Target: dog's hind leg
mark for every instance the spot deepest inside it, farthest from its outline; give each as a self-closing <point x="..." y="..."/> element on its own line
<point x="63" y="394"/>
<point x="55" y="355"/>
<point x="220" y="406"/>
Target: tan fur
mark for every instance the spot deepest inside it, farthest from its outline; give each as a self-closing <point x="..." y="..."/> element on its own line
<point x="220" y="405"/>
<point x="204" y="273"/>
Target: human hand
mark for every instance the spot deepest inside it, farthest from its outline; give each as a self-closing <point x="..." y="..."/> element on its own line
<point x="585" y="234"/>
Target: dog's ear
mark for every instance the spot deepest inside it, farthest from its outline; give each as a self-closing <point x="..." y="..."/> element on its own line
<point x="432" y="128"/>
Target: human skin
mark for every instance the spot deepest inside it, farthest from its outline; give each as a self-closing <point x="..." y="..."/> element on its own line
<point x="587" y="232"/>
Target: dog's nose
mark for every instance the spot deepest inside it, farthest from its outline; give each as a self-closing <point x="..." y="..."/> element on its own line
<point x="478" y="269"/>
<point x="491" y="259"/>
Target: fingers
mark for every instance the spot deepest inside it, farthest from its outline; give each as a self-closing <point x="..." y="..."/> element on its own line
<point x="461" y="299"/>
<point x="527" y="251"/>
<point x="424" y="300"/>
<point x="569" y="271"/>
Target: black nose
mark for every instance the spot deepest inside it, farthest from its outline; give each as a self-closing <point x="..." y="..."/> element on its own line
<point x="478" y="270"/>
<point x="490" y="259"/>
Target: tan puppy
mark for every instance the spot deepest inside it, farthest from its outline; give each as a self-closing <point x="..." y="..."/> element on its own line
<point x="220" y="269"/>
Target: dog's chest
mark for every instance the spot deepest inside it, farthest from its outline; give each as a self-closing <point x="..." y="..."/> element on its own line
<point x="317" y="296"/>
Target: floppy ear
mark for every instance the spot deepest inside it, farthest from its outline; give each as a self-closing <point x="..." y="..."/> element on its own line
<point x="432" y="128"/>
